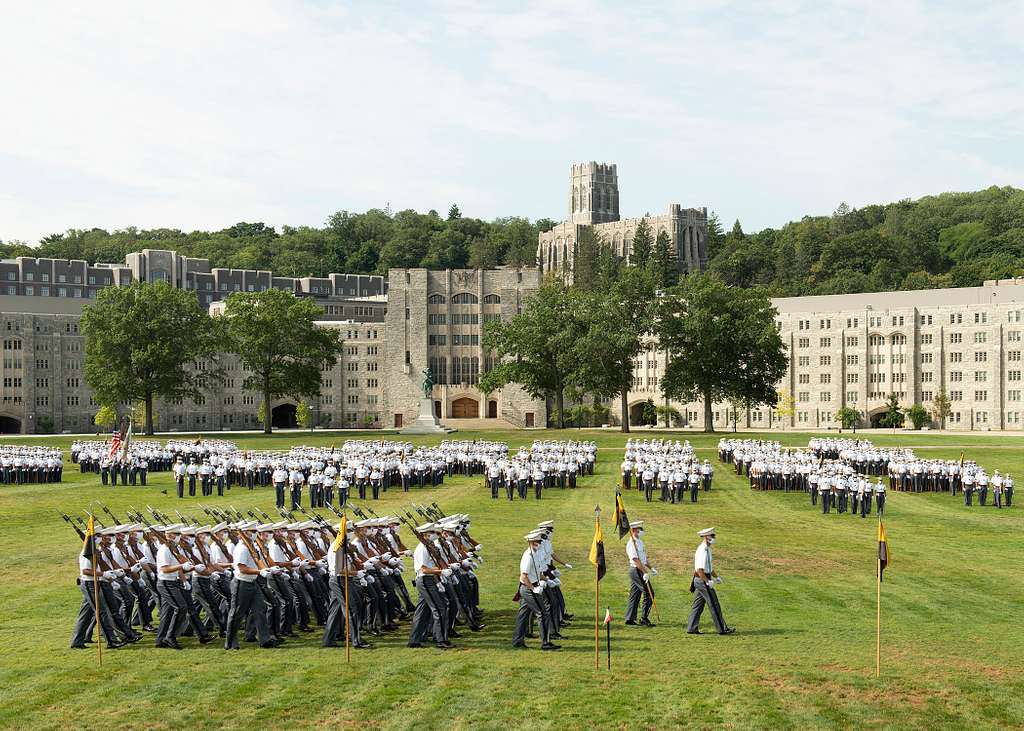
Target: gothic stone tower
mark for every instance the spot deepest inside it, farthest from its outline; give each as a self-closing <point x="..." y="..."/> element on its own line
<point x="593" y="193"/>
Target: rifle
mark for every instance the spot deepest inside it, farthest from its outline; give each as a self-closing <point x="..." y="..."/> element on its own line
<point x="67" y="519"/>
<point x="438" y="509"/>
<point x="107" y="511"/>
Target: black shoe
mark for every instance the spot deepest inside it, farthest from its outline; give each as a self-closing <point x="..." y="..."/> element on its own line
<point x="391" y="627"/>
<point x="557" y="636"/>
<point x="519" y="645"/>
<point x="454" y="634"/>
<point x="233" y="647"/>
<point x="166" y="645"/>
<point x="306" y="629"/>
<point x="363" y="646"/>
<point x="568" y="616"/>
<point x="550" y="646"/>
<point x="149" y="628"/>
<point x="477" y="627"/>
<point x="630" y="622"/>
<point x="647" y="623"/>
<point x="448" y="644"/>
<point x="728" y="631"/>
<point x="415" y="644"/>
<point x="443" y="645"/>
<point x="174" y="644"/>
<point x="695" y="632"/>
<point x="270" y="643"/>
<point x="205" y="638"/>
<point x="132" y="639"/>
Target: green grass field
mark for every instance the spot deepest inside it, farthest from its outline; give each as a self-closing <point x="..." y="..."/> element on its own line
<point x="799" y="586"/>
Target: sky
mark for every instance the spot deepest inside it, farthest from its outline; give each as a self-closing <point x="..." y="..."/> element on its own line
<point x="197" y="115"/>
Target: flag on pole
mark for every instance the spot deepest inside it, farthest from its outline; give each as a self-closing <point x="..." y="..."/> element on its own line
<point x="339" y="539"/>
<point x="607" y="615"/>
<point x="126" y="442"/>
<point x="115" y="443"/>
<point x="621" y="519"/>
<point x="961" y="460"/>
<point x="597" y="551"/>
<point x="883" y="550"/>
<point x="88" y="548"/>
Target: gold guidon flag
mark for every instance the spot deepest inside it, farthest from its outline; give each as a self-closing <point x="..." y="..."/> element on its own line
<point x="339" y="539"/>
<point x="597" y="551"/>
<point x="90" y="537"/>
<point x="883" y="550"/>
<point x="621" y="519"/>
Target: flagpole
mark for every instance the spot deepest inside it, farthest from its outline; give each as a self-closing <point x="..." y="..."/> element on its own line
<point x="878" y="610"/>
<point x="608" y="637"/>
<point x="597" y="604"/>
<point x="344" y="571"/>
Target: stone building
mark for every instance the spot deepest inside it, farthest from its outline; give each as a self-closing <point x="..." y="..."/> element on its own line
<point x="435" y="320"/>
<point x="593" y="200"/>
<point x="43" y="378"/>
<point x="855" y="349"/>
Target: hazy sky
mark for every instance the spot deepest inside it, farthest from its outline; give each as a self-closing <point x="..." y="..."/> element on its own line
<point x="199" y="115"/>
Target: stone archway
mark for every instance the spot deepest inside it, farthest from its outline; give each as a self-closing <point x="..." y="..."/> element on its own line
<point x="10" y="425"/>
<point x="492" y="409"/>
<point x="282" y="416"/>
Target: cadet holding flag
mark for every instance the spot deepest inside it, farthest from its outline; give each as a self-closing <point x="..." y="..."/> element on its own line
<point x="597" y="558"/>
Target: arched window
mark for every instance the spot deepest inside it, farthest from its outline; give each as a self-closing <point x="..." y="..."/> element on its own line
<point x="876" y="340"/>
<point x="899" y="339"/>
<point x="464" y="298"/>
<point x="436" y="299"/>
<point x="492" y="299"/>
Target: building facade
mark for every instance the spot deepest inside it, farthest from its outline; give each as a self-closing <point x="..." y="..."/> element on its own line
<point x="593" y="201"/>
<point x="856" y="349"/>
<point x="43" y="376"/>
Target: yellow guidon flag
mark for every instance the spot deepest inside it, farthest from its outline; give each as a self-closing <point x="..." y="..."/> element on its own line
<point x="597" y="551"/>
<point x="339" y="539"/>
<point x="883" y="550"/>
<point x="89" y="540"/>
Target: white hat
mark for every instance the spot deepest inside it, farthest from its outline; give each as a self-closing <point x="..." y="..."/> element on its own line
<point x="546" y="524"/>
<point x="706" y="532"/>
<point x="637" y="524"/>
<point x="425" y="528"/>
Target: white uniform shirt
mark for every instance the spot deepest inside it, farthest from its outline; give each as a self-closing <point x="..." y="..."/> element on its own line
<point x="528" y="565"/>
<point x="421" y="559"/>
<point x="241" y="556"/>
<point x="164" y="557"/>
<point x="635" y="549"/>
<point x="702" y="558"/>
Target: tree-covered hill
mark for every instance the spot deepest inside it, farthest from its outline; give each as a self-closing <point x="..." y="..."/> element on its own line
<point x="952" y="239"/>
<point x="948" y="240"/>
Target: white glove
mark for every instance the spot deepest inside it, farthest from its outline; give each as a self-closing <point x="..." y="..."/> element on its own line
<point x="406" y="553"/>
<point x="568" y="567"/>
<point x="296" y="562"/>
<point x="478" y="546"/>
<point x="465" y="563"/>
<point x="188" y="586"/>
<point x="188" y="566"/>
<point x="362" y="582"/>
<point x="120" y="572"/>
<point x="555" y="582"/>
<point x="386" y="572"/>
<point x="309" y="578"/>
<point x="446" y="573"/>
<point x="370" y="579"/>
<point x="115" y="586"/>
<point x="718" y="579"/>
<point x="135" y="569"/>
<point x="386" y="555"/>
<point x="398" y="569"/>
<point x="556" y="572"/>
<point x="200" y="567"/>
<point x="265" y="573"/>
<point x="538" y="589"/>
<point x="647" y="577"/>
<point x="654" y="571"/>
<point x="109" y="575"/>
<point x="394" y="563"/>
<point x="453" y="565"/>
<point x="542" y="583"/>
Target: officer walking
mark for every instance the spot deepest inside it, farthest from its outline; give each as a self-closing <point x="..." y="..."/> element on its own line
<point x="640" y="573"/>
<point x="702" y="586"/>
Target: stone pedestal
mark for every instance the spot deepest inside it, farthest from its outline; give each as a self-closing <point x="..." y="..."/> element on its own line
<point x="426" y="422"/>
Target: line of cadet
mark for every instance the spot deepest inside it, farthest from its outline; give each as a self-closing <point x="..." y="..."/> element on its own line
<point x="272" y="579"/>
<point x="661" y="465"/>
<point x="540" y="590"/>
<point x="547" y="464"/>
<point x="27" y="465"/>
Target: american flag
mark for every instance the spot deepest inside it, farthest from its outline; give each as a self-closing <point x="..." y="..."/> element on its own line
<point x="115" y="443"/>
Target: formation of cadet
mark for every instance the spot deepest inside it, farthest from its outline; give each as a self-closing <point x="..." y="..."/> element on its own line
<point x="132" y="465"/>
<point x="540" y="597"/>
<point x="668" y="468"/>
<point x="274" y="579"/>
<point x="24" y="464"/>
<point x="546" y="464"/>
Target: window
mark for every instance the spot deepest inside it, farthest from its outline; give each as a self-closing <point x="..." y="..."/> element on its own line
<point x="438" y="339"/>
<point x="439" y="367"/>
<point x="804" y="360"/>
<point x="825" y="342"/>
<point x="804" y="396"/>
<point x="980" y="318"/>
<point x="926" y="319"/>
<point x="825" y="360"/>
<point x="1013" y="356"/>
<point x="926" y="357"/>
<point x="1013" y="395"/>
<point x="825" y="396"/>
<point x="804" y="343"/>
<point x="1013" y="375"/>
<point x="852" y="359"/>
<point x="956" y="376"/>
<point x="981" y="395"/>
<point x="956" y="357"/>
<point x="437" y="319"/>
<point x="352" y="399"/>
<point x="1013" y="316"/>
<point x="1013" y="336"/>
<point x="492" y="299"/>
<point x="852" y="377"/>
<point x="980" y="356"/>
<point x="851" y="397"/>
<point x="825" y="378"/>
<point x="465" y="339"/>
<point x="956" y="319"/>
<point x="352" y="367"/>
<point x="851" y="342"/>
<point x="956" y="395"/>
<point x="956" y="337"/>
<point x="804" y="378"/>
<point x="926" y="339"/>
<point x="436" y="299"/>
<point x="926" y="376"/>
<point x="980" y="376"/>
<point x="372" y="383"/>
<point x="464" y="298"/>
<point x="372" y="366"/>
<point x="979" y="337"/>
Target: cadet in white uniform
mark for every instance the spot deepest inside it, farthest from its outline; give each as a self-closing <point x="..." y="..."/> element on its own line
<point x="640" y="573"/>
<point x="702" y="586"/>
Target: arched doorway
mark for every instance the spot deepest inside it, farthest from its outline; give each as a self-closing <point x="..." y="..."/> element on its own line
<point x="465" y="408"/>
<point x="9" y="425"/>
<point x="283" y="416"/>
<point x="636" y="413"/>
<point x="492" y="409"/>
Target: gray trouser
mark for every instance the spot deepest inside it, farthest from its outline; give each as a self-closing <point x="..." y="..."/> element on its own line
<point x="87" y="618"/>
<point x="246" y="597"/>
<point x="531" y="605"/>
<point x="636" y="590"/>
<point x="704" y="593"/>
<point x="333" y="630"/>
<point x="176" y="606"/>
<point x="431" y="612"/>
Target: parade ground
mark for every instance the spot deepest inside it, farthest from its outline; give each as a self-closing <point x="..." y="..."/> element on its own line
<point x="799" y="586"/>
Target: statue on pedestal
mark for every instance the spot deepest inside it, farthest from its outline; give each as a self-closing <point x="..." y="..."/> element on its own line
<point x="428" y="383"/>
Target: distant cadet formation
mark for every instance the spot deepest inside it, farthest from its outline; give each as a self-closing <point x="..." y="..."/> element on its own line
<point x="547" y="464"/>
<point x="665" y="468"/>
<point x="25" y="465"/>
<point x="270" y="580"/>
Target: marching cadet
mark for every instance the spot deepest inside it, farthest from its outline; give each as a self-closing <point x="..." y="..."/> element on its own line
<point x="968" y="484"/>
<point x="707" y="472"/>
<point x="1008" y="489"/>
<point x="647" y="480"/>
<point x="981" y="479"/>
<point x="376" y="480"/>
<point x="220" y="473"/>
<point x="627" y="474"/>
<point x="432" y="607"/>
<point x="997" y="489"/>
<point x="174" y="604"/>
<point x="694" y="480"/>
<point x="248" y="602"/>
<point x="494" y="479"/>
<point x="88" y="572"/>
<point x="531" y="590"/>
<point x="702" y="586"/>
<point x="879" y="497"/>
<point x="640" y="573"/>
<point x="342" y="570"/>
